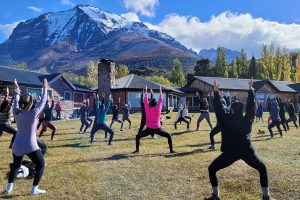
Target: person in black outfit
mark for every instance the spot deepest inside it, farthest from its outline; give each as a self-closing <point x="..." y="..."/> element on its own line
<point x="5" y="114"/>
<point x="180" y="118"/>
<point x="84" y="118"/>
<point x="292" y="114"/>
<point x="115" y="118"/>
<point x="204" y="111"/>
<point x="274" y="113"/>
<point x="236" y="144"/>
<point x="282" y="115"/>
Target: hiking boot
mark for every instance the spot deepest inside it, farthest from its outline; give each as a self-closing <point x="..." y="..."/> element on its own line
<point x="212" y="147"/>
<point x="213" y="197"/>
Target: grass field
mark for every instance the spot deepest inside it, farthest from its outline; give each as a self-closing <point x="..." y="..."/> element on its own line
<point x="78" y="170"/>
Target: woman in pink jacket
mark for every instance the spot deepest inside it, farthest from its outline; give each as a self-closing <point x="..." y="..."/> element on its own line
<point x="153" y="111"/>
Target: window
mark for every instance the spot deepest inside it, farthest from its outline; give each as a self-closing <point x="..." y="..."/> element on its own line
<point x="135" y="98"/>
<point x="67" y="96"/>
<point x="36" y="92"/>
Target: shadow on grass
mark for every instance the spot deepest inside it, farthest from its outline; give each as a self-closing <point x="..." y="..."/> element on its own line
<point x="181" y="154"/>
<point x="182" y="132"/>
<point x="75" y="145"/>
<point x="74" y="133"/>
<point x="9" y="196"/>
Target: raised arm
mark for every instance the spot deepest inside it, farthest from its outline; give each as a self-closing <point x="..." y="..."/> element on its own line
<point x="17" y="93"/>
<point x="5" y="101"/>
<point x="97" y="102"/>
<point x="151" y="94"/>
<point x="142" y="98"/>
<point x="218" y="106"/>
<point x="108" y="103"/>
<point x="250" y="107"/>
<point x="159" y="103"/>
<point x="146" y="102"/>
<point x="41" y="104"/>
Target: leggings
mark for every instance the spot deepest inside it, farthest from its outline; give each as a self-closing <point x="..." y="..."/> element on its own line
<point x="272" y="124"/>
<point x="181" y="119"/>
<point x="42" y="145"/>
<point x="46" y="124"/>
<point x="37" y="158"/>
<point x="188" y="117"/>
<point x="104" y="127"/>
<point x="112" y="122"/>
<point x="149" y="131"/>
<point x="227" y="159"/>
<point x="292" y="119"/>
<point x="40" y="123"/>
<point x="203" y="115"/>
<point x="6" y="127"/>
<point x="84" y="122"/>
<point x="213" y="132"/>
<point x="127" y="119"/>
<point x="284" y="124"/>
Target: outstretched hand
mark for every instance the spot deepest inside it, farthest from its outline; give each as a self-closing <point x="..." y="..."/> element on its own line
<point x="45" y="84"/>
<point x="250" y="83"/>
<point x="216" y="85"/>
<point x="7" y="91"/>
<point x="16" y="83"/>
<point x="160" y="90"/>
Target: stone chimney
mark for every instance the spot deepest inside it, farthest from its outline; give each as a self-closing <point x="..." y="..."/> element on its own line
<point x="106" y="76"/>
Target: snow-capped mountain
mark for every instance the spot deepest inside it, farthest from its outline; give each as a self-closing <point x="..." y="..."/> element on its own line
<point x="211" y="54"/>
<point x="67" y="40"/>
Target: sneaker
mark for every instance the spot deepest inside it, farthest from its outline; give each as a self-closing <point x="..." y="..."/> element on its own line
<point x="212" y="147"/>
<point x="37" y="191"/>
<point x="135" y="152"/>
<point x="213" y="197"/>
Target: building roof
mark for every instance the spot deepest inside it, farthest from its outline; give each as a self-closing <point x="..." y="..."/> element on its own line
<point x="188" y="89"/>
<point x="242" y="84"/>
<point x="295" y="86"/>
<point x="35" y="78"/>
<point x="133" y="81"/>
<point x="24" y="76"/>
<point x="283" y="86"/>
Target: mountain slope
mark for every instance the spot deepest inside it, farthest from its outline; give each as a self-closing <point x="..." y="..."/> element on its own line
<point x="211" y="54"/>
<point x="68" y="40"/>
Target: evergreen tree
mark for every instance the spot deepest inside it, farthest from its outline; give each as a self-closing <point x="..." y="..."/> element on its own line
<point x="202" y="68"/>
<point x="221" y="62"/>
<point x="238" y="64"/>
<point x="234" y="69"/>
<point x="244" y="71"/>
<point x="159" y="79"/>
<point x="177" y="75"/>
<point x="252" y="68"/>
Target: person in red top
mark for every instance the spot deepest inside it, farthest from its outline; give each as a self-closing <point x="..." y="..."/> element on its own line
<point x="58" y="110"/>
<point x="153" y="111"/>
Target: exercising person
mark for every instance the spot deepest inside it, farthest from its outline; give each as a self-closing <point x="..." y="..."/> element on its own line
<point x="274" y="114"/>
<point x="26" y="142"/>
<point x="292" y="115"/>
<point x="204" y="111"/>
<point x="100" y="120"/>
<point x="282" y="115"/>
<point x="115" y="117"/>
<point x="153" y="112"/>
<point x="180" y="118"/>
<point x="5" y="115"/>
<point x="185" y="112"/>
<point x="217" y="128"/>
<point x="83" y="117"/>
<point x="47" y="122"/>
<point x="236" y="144"/>
<point x="259" y="113"/>
<point x="126" y="113"/>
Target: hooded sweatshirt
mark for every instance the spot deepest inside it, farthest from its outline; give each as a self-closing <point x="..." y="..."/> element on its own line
<point x="274" y="110"/>
<point x="153" y="113"/>
<point x="101" y="113"/>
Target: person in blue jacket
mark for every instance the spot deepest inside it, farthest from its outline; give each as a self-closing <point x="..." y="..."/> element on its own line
<point x="100" y="120"/>
<point x="274" y="113"/>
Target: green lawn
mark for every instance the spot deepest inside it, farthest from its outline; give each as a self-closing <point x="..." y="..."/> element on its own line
<point x="78" y="170"/>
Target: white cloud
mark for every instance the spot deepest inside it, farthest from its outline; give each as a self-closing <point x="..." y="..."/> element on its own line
<point x="231" y="30"/>
<point x="35" y="9"/>
<point x="143" y="7"/>
<point x="7" y="29"/>
<point x="67" y="3"/>
<point x="133" y="17"/>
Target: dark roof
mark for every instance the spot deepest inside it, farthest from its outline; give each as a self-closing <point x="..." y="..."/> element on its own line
<point x="226" y="83"/>
<point x="133" y="81"/>
<point x="295" y="86"/>
<point x="81" y="88"/>
<point x="24" y="76"/>
<point x="283" y="86"/>
<point x="188" y="89"/>
<point x="35" y="78"/>
<point x="242" y="84"/>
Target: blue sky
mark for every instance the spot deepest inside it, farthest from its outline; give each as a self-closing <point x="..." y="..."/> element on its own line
<point x="191" y="14"/>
